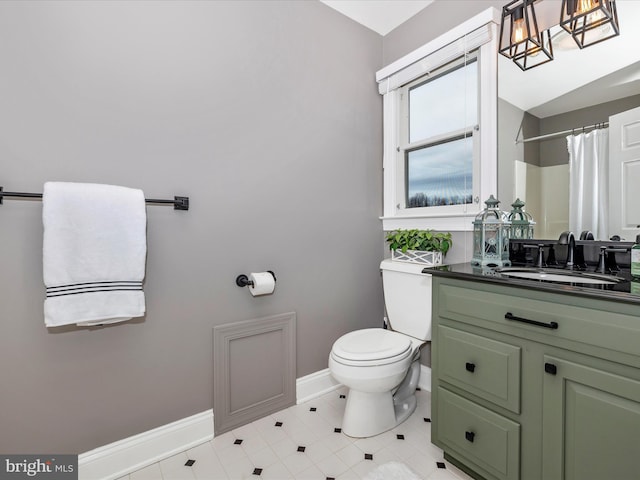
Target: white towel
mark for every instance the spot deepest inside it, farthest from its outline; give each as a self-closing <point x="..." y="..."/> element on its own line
<point x="94" y="253"/>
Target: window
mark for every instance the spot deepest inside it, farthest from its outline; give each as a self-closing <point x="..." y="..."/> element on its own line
<point x="440" y="174"/>
<point x="440" y="118"/>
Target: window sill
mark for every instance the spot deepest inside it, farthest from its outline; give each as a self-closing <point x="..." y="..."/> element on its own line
<point x="462" y="222"/>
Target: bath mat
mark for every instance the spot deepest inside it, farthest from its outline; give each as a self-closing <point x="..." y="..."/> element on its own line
<point x="391" y="471"/>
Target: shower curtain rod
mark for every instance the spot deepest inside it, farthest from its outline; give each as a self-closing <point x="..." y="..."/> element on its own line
<point x="179" y="203"/>
<point x="564" y="132"/>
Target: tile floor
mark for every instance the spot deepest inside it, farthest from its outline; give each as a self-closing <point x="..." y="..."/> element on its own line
<point x="304" y="442"/>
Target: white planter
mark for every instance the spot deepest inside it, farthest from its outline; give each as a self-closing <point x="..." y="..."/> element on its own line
<point x="428" y="259"/>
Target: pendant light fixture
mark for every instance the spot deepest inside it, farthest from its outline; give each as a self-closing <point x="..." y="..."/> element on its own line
<point x="520" y="38"/>
<point x="590" y="21"/>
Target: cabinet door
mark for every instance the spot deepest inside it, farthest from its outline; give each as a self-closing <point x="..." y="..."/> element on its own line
<point x="487" y="368"/>
<point x="489" y="443"/>
<point x="591" y="423"/>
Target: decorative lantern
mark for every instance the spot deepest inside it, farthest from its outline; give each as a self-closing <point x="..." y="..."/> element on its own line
<point x="521" y="222"/>
<point x="491" y="236"/>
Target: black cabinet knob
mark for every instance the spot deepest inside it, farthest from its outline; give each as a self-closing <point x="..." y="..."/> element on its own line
<point x="550" y="368"/>
<point x="469" y="436"/>
<point x="470" y="367"/>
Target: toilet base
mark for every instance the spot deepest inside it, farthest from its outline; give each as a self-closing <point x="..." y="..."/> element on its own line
<point x="404" y="399"/>
<point x="404" y="409"/>
<point x="369" y="414"/>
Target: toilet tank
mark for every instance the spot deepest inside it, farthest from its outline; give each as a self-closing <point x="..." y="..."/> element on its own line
<point x="407" y="296"/>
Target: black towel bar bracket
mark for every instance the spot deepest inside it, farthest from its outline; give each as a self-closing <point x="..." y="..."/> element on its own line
<point x="179" y="203"/>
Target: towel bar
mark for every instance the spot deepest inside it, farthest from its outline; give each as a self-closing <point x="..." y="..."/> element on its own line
<point x="179" y="203"/>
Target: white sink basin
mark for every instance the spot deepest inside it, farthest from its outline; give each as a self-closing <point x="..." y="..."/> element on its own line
<point x="559" y="276"/>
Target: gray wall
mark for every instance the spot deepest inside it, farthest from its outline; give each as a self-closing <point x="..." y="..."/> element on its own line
<point x="514" y="123"/>
<point x="509" y="120"/>
<point x="550" y="151"/>
<point x="553" y="151"/>
<point x="265" y="114"/>
<point x="431" y="22"/>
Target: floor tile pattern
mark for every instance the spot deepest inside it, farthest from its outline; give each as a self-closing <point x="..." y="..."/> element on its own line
<point x="305" y="442"/>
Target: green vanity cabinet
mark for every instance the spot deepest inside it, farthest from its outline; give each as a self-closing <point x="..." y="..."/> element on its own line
<point x="533" y="385"/>
<point x="591" y="423"/>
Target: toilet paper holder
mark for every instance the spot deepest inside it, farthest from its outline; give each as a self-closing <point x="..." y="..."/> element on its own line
<point x="243" y="281"/>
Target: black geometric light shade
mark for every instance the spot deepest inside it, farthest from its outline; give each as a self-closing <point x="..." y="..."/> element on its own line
<point x="520" y="38"/>
<point x="590" y="21"/>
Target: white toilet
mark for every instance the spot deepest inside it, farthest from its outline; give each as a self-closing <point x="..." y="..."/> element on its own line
<point x="381" y="367"/>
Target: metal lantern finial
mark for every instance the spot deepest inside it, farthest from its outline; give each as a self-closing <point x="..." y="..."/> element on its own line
<point x="491" y="236"/>
<point x="521" y="222"/>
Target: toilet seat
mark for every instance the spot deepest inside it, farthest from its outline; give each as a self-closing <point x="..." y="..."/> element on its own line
<point x="371" y="346"/>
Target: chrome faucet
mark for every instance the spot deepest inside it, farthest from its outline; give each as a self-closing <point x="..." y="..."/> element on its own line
<point x="567" y="238"/>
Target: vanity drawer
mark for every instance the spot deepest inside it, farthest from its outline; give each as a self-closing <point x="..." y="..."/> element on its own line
<point x="552" y="316"/>
<point x="487" y="368"/>
<point x="489" y="441"/>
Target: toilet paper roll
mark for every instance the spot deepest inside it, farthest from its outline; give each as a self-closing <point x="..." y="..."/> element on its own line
<point x="263" y="283"/>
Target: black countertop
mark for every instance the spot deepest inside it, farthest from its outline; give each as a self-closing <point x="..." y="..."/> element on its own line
<point x="624" y="291"/>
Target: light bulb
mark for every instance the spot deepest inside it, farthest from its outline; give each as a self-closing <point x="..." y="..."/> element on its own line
<point x="534" y="51"/>
<point x="596" y="19"/>
<point x="519" y="31"/>
<point x="585" y="6"/>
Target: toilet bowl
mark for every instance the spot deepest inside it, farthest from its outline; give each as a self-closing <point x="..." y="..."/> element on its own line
<point x="372" y="363"/>
<point x="381" y="366"/>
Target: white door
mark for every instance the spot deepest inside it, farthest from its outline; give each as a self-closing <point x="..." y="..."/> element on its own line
<point x="624" y="174"/>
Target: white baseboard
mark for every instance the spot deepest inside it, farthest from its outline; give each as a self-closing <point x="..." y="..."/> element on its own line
<point x="133" y="453"/>
<point x="315" y="385"/>
<point x="321" y="382"/>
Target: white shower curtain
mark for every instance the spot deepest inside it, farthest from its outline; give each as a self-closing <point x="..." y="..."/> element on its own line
<point x="589" y="182"/>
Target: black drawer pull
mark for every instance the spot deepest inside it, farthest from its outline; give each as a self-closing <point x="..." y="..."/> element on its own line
<point x="469" y="436"/>
<point x="511" y="316"/>
<point x="550" y="368"/>
<point x="470" y="367"/>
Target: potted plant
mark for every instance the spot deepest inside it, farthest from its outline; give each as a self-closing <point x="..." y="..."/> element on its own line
<point x="419" y="246"/>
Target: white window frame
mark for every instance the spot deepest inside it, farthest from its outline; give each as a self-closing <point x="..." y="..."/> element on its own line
<point x="478" y="33"/>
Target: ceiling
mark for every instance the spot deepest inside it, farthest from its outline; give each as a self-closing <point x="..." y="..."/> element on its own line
<point x="574" y="79"/>
<point x="381" y="16"/>
<point x="577" y="78"/>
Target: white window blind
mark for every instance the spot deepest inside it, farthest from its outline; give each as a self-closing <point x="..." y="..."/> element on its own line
<point x="397" y="75"/>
